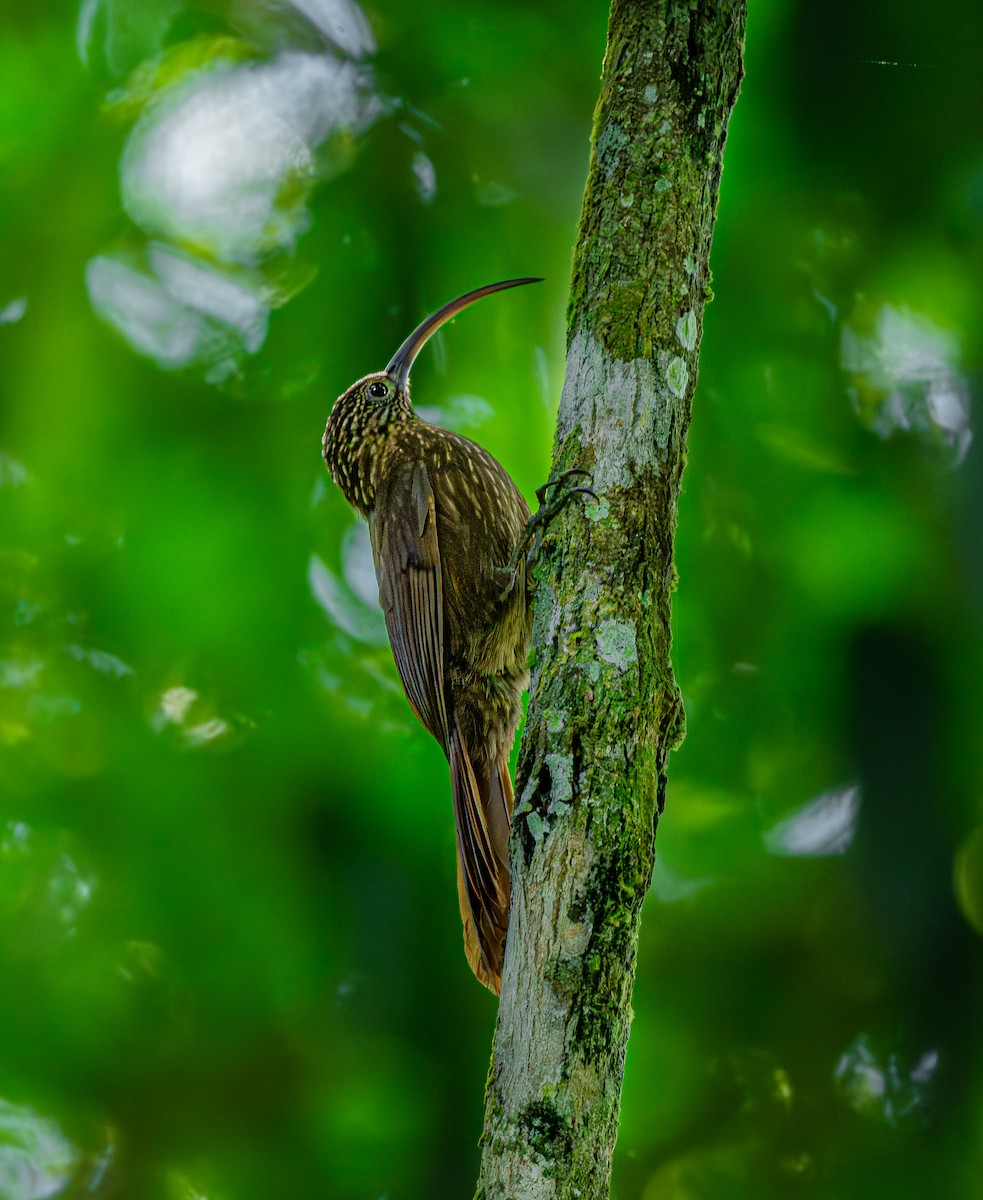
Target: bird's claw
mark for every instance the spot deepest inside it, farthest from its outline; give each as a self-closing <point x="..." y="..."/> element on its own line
<point x="540" y="519"/>
<point x="558" y="481"/>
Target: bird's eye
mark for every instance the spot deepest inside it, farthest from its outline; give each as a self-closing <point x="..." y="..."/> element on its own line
<point x="378" y="390"/>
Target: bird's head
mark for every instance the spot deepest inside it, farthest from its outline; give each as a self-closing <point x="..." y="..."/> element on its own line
<point x="362" y="414"/>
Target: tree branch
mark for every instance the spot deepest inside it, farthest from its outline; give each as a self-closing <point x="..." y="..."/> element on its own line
<point x="604" y="708"/>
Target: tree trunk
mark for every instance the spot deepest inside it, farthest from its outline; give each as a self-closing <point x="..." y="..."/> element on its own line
<point x="604" y="709"/>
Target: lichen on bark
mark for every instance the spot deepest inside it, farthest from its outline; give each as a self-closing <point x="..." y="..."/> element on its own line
<point x="604" y="707"/>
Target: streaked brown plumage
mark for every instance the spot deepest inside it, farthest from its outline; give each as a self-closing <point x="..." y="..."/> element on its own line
<point x="445" y="520"/>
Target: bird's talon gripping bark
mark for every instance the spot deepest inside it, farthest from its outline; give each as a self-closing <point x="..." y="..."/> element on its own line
<point x="558" y="481"/>
<point x="540" y="520"/>
<point x="584" y="491"/>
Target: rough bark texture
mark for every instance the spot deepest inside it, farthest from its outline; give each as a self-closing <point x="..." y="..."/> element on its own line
<point x="604" y="709"/>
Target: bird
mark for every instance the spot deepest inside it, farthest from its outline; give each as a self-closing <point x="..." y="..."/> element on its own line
<point x="448" y="529"/>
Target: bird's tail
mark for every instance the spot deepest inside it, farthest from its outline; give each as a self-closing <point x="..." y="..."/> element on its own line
<point x="482" y="813"/>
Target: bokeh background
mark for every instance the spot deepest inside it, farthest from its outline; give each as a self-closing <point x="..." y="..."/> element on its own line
<point x="230" y="956"/>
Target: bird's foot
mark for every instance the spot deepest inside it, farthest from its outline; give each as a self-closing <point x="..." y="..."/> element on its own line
<point x="531" y="542"/>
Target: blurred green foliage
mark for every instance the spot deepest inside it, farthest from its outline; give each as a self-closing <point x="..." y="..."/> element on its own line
<point x="230" y="951"/>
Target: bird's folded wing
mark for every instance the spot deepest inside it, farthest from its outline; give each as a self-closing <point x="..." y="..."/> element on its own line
<point x="403" y="529"/>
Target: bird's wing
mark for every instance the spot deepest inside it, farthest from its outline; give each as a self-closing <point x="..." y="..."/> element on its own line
<point x="403" y="529"/>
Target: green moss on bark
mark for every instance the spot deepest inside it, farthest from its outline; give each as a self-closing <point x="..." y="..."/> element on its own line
<point x="604" y="707"/>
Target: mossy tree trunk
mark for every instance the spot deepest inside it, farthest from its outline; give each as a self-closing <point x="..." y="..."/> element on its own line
<point x="604" y="709"/>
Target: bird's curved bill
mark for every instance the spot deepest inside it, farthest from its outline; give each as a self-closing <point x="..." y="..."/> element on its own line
<point x="401" y="362"/>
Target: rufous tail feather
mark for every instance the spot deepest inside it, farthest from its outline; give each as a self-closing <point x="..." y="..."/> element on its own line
<point x="482" y="810"/>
